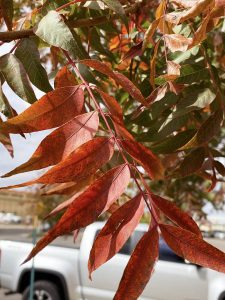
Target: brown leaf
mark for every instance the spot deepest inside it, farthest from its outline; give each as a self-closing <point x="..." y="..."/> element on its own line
<point x="194" y="11"/>
<point x="193" y="248"/>
<point x="64" y="78"/>
<point x="185" y="3"/>
<point x="140" y="267"/>
<point x="200" y="34"/>
<point x="160" y="11"/>
<point x="68" y="137"/>
<point x="153" y="63"/>
<point x="173" y="71"/>
<point x="119" y="78"/>
<point x="177" y="42"/>
<point x="52" y="110"/>
<point x="219" y="167"/>
<point x="176" y="215"/>
<point x="149" y="34"/>
<point x="86" y="208"/>
<point x="175" y="88"/>
<point x="145" y="157"/>
<point x="157" y="94"/>
<point x="116" y="232"/>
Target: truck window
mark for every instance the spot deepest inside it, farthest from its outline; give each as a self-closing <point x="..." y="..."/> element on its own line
<point x="165" y="252"/>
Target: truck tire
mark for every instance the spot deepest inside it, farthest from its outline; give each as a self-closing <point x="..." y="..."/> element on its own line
<point x="43" y="290"/>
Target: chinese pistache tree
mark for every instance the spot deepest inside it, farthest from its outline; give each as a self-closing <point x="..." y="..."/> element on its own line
<point x="135" y="94"/>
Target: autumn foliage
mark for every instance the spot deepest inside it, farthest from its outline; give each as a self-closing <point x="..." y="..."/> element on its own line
<point x="138" y="97"/>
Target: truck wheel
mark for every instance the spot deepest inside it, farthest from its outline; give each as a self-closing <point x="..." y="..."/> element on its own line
<point x="43" y="290"/>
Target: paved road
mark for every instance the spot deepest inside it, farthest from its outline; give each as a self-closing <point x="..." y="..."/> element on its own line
<point x="24" y="233"/>
<point x="12" y="232"/>
<point x="9" y="297"/>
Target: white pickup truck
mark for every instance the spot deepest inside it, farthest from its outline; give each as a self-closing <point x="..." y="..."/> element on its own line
<point x="61" y="273"/>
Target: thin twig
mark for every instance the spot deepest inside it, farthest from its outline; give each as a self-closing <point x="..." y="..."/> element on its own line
<point x="111" y="132"/>
<point x="9" y="36"/>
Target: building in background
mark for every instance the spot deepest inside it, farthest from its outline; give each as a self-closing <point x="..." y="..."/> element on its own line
<point x="21" y="203"/>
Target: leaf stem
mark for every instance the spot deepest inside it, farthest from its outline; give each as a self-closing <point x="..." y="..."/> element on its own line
<point x="68" y="4"/>
<point x="110" y="130"/>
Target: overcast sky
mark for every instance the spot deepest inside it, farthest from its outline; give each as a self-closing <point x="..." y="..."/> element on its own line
<point x="23" y="148"/>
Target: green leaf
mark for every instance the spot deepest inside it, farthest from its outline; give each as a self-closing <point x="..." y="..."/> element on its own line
<point x="191" y="74"/>
<point x="2" y="96"/>
<point x="157" y="108"/>
<point x="7" y="12"/>
<point x="180" y="57"/>
<point x="207" y="131"/>
<point x="118" y="8"/>
<point x="192" y="162"/>
<point x="172" y="125"/>
<point x="16" y="77"/>
<point x="96" y="44"/>
<point x="27" y="52"/>
<point x="194" y="99"/>
<point x="53" y="30"/>
<point x="52" y="5"/>
<point x="173" y="143"/>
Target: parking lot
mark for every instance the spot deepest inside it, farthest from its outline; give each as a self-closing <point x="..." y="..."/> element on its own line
<point x="9" y="297"/>
<point x="13" y="232"/>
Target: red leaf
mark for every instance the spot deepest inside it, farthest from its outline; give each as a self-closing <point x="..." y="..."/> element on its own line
<point x="73" y="188"/>
<point x="120" y="79"/>
<point x="220" y="3"/>
<point x="112" y="105"/>
<point x="68" y="137"/>
<point x="136" y="50"/>
<point x="145" y="157"/>
<point x="116" y="232"/>
<point x="157" y="94"/>
<point x="176" y="215"/>
<point x="64" y="78"/>
<point x="86" y="208"/>
<point x="6" y="141"/>
<point x="69" y="188"/>
<point x="193" y="248"/>
<point x="83" y="162"/>
<point x="140" y="267"/>
<point x="116" y="115"/>
<point x="52" y="110"/>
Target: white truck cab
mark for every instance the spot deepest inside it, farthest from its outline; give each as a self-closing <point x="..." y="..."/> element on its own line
<point x="61" y="273"/>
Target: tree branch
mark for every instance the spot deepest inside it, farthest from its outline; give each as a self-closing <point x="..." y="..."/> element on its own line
<point x="9" y="36"/>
